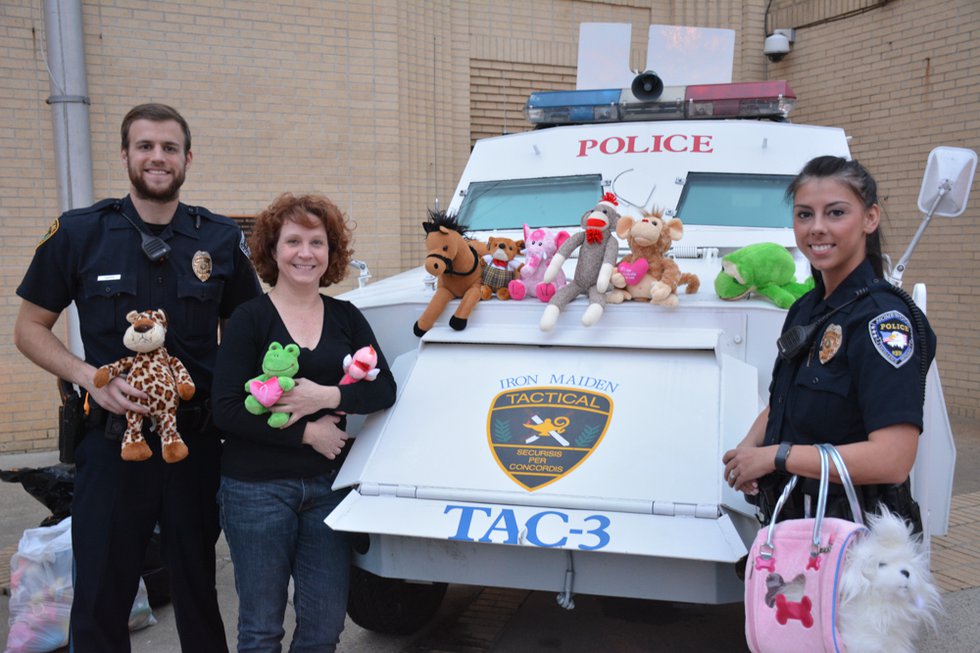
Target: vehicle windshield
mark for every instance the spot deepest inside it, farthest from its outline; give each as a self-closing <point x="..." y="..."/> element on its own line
<point x="735" y="200"/>
<point x="542" y="202"/>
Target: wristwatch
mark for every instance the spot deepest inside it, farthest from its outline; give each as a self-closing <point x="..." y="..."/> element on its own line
<point x="782" y="453"/>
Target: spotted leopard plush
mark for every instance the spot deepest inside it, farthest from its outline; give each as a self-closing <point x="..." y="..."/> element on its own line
<point x="161" y="376"/>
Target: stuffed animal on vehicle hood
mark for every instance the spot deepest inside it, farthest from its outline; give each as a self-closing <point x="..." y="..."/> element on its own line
<point x="361" y="366"/>
<point x="646" y="273"/>
<point x="766" y="269"/>
<point x="540" y="246"/>
<point x="161" y="376"/>
<point x="595" y="263"/>
<point x="501" y="267"/>
<point x="456" y="263"/>
<point x="279" y="366"/>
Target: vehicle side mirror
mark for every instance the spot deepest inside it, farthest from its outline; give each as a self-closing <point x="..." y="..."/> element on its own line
<point x="947" y="180"/>
<point x="945" y="186"/>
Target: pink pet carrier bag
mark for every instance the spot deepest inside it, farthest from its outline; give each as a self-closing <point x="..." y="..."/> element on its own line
<point x="793" y="571"/>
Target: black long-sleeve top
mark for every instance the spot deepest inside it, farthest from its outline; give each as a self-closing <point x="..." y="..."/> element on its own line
<point x="253" y="450"/>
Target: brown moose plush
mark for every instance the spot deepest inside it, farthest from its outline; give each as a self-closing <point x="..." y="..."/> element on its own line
<point x="161" y="376"/>
<point x="646" y="274"/>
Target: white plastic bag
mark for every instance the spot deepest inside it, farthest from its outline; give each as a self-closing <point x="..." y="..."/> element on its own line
<point x="41" y="591"/>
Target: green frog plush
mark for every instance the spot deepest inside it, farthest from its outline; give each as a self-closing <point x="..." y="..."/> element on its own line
<point x="279" y="366"/>
<point x="766" y="269"/>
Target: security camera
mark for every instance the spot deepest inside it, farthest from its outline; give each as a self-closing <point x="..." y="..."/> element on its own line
<point x="776" y="47"/>
<point x="777" y="44"/>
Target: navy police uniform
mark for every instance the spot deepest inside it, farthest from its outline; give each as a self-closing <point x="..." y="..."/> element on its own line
<point x="863" y="371"/>
<point x="93" y="257"/>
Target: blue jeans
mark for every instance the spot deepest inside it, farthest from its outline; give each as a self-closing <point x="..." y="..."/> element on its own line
<point x="275" y="530"/>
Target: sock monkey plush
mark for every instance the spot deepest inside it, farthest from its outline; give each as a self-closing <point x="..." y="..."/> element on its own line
<point x="596" y="258"/>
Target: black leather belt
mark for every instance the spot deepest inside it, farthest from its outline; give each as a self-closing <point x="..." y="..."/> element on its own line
<point x="192" y="418"/>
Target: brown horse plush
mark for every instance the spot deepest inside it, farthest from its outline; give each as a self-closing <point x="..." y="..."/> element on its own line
<point x="457" y="265"/>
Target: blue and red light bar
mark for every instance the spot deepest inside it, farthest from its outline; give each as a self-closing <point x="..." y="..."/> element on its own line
<point x="771" y="99"/>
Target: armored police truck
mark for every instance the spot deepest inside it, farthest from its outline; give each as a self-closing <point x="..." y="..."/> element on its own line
<point x="587" y="459"/>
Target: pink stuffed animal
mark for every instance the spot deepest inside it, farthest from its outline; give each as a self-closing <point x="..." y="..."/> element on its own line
<point x="540" y="246"/>
<point x="362" y="366"/>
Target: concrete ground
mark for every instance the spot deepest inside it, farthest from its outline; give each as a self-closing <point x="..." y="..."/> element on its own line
<point x="515" y="621"/>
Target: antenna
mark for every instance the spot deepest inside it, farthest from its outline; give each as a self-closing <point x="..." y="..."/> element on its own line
<point x="642" y="207"/>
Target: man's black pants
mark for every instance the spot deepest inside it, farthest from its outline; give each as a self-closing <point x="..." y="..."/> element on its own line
<point x="115" y="508"/>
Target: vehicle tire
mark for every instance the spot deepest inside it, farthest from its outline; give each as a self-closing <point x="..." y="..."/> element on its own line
<point x="391" y="606"/>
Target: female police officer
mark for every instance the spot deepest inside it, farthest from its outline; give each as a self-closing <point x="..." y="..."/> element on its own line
<point x="857" y="381"/>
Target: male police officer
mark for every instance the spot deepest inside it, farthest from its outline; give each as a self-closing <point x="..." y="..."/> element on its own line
<point x="146" y="251"/>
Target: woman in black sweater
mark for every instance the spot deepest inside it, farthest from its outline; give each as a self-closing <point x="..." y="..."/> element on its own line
<point x="276" y="482"/>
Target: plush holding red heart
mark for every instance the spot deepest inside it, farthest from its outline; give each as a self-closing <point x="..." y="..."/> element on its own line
<point x="266" y="393"/>
<point x="634" y="271"/>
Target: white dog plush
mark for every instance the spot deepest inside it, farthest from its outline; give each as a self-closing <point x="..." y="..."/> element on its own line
<point x="886" y="589"/>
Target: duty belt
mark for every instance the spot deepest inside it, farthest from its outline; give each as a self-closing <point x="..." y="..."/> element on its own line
<point x="192" y="418"/>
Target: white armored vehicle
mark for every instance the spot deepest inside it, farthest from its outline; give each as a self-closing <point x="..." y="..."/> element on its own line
<point x="588" y="459"/>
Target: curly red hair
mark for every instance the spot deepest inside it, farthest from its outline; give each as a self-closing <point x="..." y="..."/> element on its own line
<point x="307" y="211"/>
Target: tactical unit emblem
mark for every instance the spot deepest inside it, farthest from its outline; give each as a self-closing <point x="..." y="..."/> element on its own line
<point x="540" y="434"/>
<point x="891" y="334"/>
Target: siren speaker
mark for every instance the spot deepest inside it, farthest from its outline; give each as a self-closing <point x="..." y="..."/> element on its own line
<point x="647" y="86"/>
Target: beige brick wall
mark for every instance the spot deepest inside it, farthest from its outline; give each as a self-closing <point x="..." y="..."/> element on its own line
<point x="805" y="13"/>
<point x="376" y="104"/>
<point x="902" y="78"/>
<point x="28" y="203"/>
<point x="499" y="90"/>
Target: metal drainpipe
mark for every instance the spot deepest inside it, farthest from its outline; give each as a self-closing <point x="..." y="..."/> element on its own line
<point x="70" y="118"/>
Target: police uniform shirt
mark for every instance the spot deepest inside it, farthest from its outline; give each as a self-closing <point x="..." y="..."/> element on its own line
<point x="93" y="256"/>
<point x="862" y="372"/>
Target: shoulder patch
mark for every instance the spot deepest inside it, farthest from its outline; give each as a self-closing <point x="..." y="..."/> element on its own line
<point x="891" y="333"/>
<point x="50" y="232"/>
<point x="243" y="245"/>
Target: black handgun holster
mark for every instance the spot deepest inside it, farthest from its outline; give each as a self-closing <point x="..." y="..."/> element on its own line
<point x="71" y="421"/>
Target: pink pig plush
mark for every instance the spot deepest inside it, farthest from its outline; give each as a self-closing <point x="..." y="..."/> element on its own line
<point x="540" y="246"/>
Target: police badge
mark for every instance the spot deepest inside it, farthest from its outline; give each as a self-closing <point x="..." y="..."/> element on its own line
<point x="830" y="343"/>
<point x="201" y="264"/>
